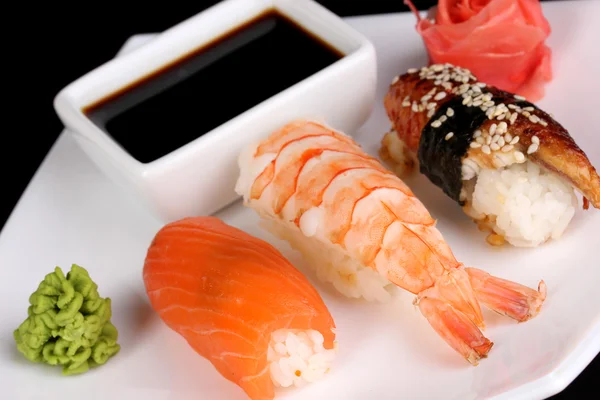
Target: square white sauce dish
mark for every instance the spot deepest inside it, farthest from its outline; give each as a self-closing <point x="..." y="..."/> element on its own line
<point x="167" y="121"/>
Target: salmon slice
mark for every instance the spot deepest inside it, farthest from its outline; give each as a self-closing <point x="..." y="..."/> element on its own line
<point x="225" y="292"/>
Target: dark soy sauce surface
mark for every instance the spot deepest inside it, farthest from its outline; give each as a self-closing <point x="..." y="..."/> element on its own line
<point x="212" y="85"/>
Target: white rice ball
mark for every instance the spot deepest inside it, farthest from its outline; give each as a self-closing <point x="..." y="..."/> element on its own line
<point x="297" y="357"/>
<point x="331" y="262"/>
<point x="530" y="205"/>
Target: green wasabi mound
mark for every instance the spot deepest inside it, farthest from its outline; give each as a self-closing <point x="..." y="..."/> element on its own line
<point x="68" y="323"/>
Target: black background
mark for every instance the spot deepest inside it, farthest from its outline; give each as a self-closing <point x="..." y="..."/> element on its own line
<point x="49" y="45"/>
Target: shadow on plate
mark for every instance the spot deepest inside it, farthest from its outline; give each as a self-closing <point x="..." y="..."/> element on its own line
<point x="140" y="316"/>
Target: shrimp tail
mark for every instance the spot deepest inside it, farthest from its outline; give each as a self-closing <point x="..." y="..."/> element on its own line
<point x="505" y="297"/>
<point x="452" y="309"/>
<point x="455" y="328"/>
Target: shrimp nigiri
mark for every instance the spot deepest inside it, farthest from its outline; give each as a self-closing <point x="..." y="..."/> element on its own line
<point x="511" y="166"/>
<point x="239" y="303"/>
<point x="363" y="230"/>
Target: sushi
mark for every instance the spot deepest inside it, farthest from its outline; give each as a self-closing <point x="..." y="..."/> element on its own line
<point x="511" y="167"/>
<point x="240" y="304"/>
<point x="363" y="230"/>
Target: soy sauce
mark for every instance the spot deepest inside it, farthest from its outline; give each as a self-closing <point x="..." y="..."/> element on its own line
<point x="210" y="86"/>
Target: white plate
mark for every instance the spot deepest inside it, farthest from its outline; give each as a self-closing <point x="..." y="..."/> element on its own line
<point x="71" y="213"/>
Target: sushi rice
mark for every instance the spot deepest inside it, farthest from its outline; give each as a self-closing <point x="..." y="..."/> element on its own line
<point x="523" y="203"/>
<point x="330" y="262"/>
<point x="528" y="205"/>
<point x="297" y="357"/>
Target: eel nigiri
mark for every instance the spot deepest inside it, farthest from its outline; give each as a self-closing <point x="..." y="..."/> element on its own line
<point x="510" y="166"/>
<point x="362" y="229"/>
<point x="240" y="304"/>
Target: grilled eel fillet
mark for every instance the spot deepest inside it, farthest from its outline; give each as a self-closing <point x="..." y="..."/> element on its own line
<point x="415" y="97"/>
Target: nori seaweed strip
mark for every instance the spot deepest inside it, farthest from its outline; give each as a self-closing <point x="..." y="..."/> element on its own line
<point x="440" y="160"/>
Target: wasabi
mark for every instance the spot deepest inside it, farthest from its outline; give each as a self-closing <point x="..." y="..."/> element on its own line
<point x="68" y="323"/>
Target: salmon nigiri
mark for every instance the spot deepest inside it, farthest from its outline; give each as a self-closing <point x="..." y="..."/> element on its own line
<point x="363" y="230"/>
<point x="240" y="304"/>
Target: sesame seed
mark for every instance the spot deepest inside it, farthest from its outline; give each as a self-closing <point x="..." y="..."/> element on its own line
<point x="466" y="100"/>
<point x="503" y="125"/>
<point x="489" y="103"/>
<point x="396" y="79"/>
<point x="534" y="119"/>
<point x="501" y="117"/>
<point x="480" y="140"/>
<point x="493" y="129"/>
<point x="543" y="123"/>
<point x="494" y="146"/>
<point x="477" y="133"/>
<point x="425" y="98"/>
<point x="406" y="104"/>
<point x="412" y="70"/>
<point x="508" y="137"/>
<point x="437" y="67"/>
<point x="495" y="138"/>
<point x="520" y="157"/>
<point x="449" y="135"/>
<point x="526" y="113"/>
<point x="443" y="118"/>
<point x="498" y="162"/>
<point x="513" y="118"/>
<point x="446" y="77"/>
<point x="477" y="103"/>
<point x="507" y="148"/>
<point x="528" y="109"/>
<point x="486" y="149"/>
<point x="436" y="124"/>
<point x="535" y="140"/>
<point x="415" y="108"/>
<point x="450" y="112"/>
<point x="447" y="85"/>
<point x="481" y="84"/>
<point x="440" y="96"/>
<point x="431" y="106"/>
<point x="501" y="142"/>
<point x="437" y="83"/>
<point x="515" y="140"/>
<point x="430" y="113"/>
<point x="465" y="79"/>
<point x="421" y="107"/>
<point x="516" y="96"/>
<point x="476" y="89"/>
<point x="532" y="148"/>
<point x="499" y="110"/>
<point x="512" y="106"/>
<point x="488" y="140"/>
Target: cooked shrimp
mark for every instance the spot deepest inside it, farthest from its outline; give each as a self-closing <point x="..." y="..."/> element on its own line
<point x="340" y="207"/>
